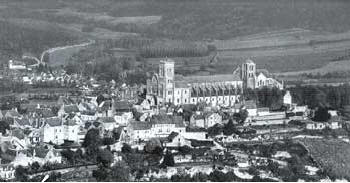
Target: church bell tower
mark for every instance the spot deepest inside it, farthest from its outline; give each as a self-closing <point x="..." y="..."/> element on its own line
<point x="248" y="74"/>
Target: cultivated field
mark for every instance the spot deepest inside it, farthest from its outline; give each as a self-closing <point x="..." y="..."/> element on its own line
<point x="110" y="20"/>
<point x="337" y="66"/>
<point x="332" y="154"/>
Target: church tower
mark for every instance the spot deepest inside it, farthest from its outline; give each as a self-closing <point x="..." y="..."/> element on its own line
<point x="248" y="74"/>
<point x="166" y="80"/>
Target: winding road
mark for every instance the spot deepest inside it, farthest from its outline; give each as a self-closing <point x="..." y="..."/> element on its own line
<point x="41" y="60"/>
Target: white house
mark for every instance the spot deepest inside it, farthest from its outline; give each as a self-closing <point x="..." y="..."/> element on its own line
<point x="7" y="171"/>
<point x="205" y="120"/>
<point x="287" y="99"/>
<point x="108" y="123"/>
<point x="56" y="131"/>
<point x="315" y="125"/>
<point x="158" y="126"/>
<point x="16" y="65"/>
<point x="123" y="118"/>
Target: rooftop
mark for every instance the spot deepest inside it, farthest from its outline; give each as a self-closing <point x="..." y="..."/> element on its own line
<point x="207" y="79"/>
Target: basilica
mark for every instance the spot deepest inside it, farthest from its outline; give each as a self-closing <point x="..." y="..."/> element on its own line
<point x="217" y="90"/>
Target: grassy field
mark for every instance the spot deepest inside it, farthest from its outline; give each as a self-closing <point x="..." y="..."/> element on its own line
<point x="332" y="154"/>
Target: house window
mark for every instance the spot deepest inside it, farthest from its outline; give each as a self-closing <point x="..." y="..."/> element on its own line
<point x="169" y="92"/>
<point x="178" y="100"/>
<point x="185" y="91"/>
<point x="185" y="101"/>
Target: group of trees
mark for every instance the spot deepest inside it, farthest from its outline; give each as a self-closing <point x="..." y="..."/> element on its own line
<point x="335" y="97"/>
<point x="9" y="85"/>
<point x="98" y="61"/>
<point x="328" y="75"/>
<point x="266" y="97"/>
<point x="215" y="176"/>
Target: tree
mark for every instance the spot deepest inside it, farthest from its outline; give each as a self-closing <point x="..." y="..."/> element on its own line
<point x="4" y="125"/>
<point x="153" y="146"/>
<point x="117" y="173"/>
<point x="69" y="155"/>
<point x="215" y="130"/>
<point x="229" y="128"/>
<point x="104" y="157"/>
<point x="21" y="174"/>
<point x="126" y="148"/>
<point x="92" y="142"/>
<point x="35" y="166"/>
<point x="168" y="159"/>
<point x="321" y="114"/>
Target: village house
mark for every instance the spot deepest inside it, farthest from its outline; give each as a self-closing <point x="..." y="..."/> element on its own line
<point x="144" y="104"/>
<point x="205" y="120"/>
<point x="56" y="131"/>
<point x="45" y="155"/>
<point x="105" y="109"/>
<point x="7" y="171"/>
<point x="310" y="125"/>
<point x="122" y="106"/>
<point x="68" y="109"/>
<point x="16" y="65"/>
<point x="177" y="140"/>
<point x="123" y="118"/>
<point x="21" y="123"/>
<point x="108" y="123"/>
<point x="159" y="126"/>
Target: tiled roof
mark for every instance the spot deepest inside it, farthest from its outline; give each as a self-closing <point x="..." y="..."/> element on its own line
<point x="70" y="123"/>
<point x="167" y="119"/>
<point x="71" y="108"/>
<point x="13" y="113"/>
<point x="54" y="121"/>
<point x="18" y="133"/>
<point x="122" y="105"/>
<point x="208" y="79"/>
<point x="138" y="125"/>
<point x="106" y="120"/>
<point x="22" y="121"/>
